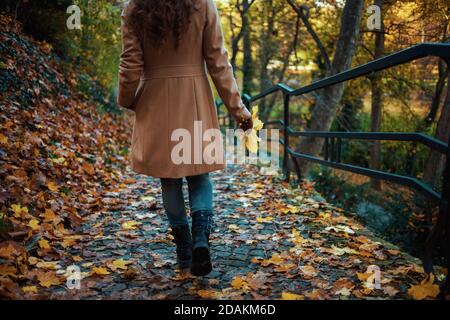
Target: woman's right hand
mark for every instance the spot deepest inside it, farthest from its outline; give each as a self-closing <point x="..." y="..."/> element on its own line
<point x="246" y="125"/>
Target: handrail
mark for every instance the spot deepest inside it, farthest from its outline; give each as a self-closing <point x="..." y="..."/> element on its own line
<point x="441" y="50"/>
<point x="418" y="137"/>
<point x="333" y="143"/>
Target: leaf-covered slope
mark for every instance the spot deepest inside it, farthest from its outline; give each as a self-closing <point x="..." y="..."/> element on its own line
<point x="57" y="153"/>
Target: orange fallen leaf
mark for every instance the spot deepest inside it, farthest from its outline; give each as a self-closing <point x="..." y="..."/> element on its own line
<point x="44" y="244"/>
<point x="3" y="139"/>
<point x="52" y="186"/>
<point x="343" y="287"/>
<point x="426" y="289"/>
<point x="89" y="168"/>
<point x="50" y="216"/>
<point x="48" y="279"/>
<point x="8" y="251"/>
<point x="30" y="289"/>
<point x="6" y="270"/>
<point x="275" y="259"/>
<point x="101" y="271"/>
<point x="207" y="294"/>
<point x="285" y="267"/>
<point x="308" y="271"/>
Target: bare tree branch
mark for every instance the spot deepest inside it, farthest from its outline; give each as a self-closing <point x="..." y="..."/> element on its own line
<point x="303" y="13"/>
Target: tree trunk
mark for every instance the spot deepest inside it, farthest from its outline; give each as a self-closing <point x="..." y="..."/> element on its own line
<point x="436" y="160"/>
<point x="327" y="104"/>
<point x="439" y="90"/>
<point x="247" y="67"/>
<point x="266" y="51"/>
<point x="377" y="102"/>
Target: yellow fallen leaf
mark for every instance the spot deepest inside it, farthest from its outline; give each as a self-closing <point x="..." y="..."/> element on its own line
<point x="18" y="210"/>
<point x="266" y="219"/>
<point x="120" y="264"/>
<point x="292" y="296"/>
<point x="289" y="209"/>
<point x="297" y="238"/>
<point x="130" y="225"/>
<point x="251" y="136"/>
<point x="30" y="289"/>
<point x="48" y="265"/>
<point x="427" y="289"/>
<point x="239" y="283"/>
<point x="101" y="271"/>
<point x="252" y="141"/>
<point x="59" y="160"/>
<point x="44" y="244"/>
<point x="34" y="224"/>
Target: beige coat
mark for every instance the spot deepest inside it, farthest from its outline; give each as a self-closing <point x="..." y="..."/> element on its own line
<point x="169" y="89"/>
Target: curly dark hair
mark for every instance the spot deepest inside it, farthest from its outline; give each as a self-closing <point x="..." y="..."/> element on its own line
<point x="157" y="20"/>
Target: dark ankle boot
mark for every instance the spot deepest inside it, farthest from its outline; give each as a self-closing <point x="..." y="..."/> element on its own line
<point x="183" y="240"/>
<point x="201" y="228"/>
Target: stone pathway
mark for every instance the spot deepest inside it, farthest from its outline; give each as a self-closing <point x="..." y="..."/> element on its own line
<point x="270" y="241"/>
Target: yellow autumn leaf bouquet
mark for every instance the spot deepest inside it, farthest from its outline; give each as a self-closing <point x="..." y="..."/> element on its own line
<point x="251" y="136"/>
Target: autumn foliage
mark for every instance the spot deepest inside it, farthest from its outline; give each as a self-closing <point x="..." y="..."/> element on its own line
<point x="66" y="198"/>
<point x="58" y="155"/>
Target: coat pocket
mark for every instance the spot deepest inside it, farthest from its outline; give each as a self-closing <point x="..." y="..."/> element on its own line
<point x="137" y="97"/>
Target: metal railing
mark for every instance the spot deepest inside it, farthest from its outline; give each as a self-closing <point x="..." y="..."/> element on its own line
<point x="333" y="140"/>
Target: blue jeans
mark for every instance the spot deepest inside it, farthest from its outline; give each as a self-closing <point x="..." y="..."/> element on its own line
<point x="200" y="197"/>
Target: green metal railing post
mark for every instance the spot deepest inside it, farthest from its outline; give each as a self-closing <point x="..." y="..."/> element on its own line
<point x="286" y="99"/>
<point x="446" y="215"/>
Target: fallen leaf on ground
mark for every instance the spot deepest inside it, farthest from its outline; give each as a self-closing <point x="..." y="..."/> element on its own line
<point x="292" y="296"/>
<point x="426" y="289"/>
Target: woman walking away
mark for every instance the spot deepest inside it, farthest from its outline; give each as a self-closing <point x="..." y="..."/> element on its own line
<point x="167" y="47"/>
